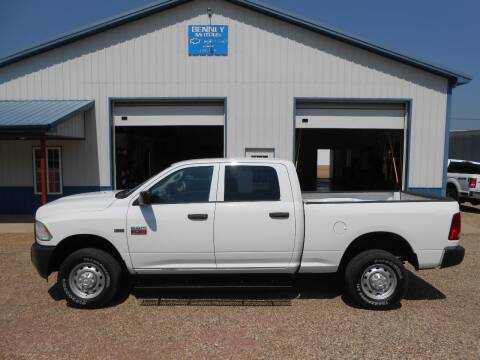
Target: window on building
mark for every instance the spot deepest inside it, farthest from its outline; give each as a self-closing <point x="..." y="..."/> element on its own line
<point x="54" y="170"/>
<point x="251" y="183"/>
<point x="189" y="185"/>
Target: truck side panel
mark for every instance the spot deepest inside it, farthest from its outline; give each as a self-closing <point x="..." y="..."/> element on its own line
<point x="330" y="228"/>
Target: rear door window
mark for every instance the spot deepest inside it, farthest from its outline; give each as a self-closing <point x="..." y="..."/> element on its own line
<point x="473" y="169"/>
<point x="251" y="183"/>
<point x="464" y="168"/>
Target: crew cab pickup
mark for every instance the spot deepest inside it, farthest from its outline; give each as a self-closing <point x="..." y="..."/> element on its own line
<point x="242" y="216"/>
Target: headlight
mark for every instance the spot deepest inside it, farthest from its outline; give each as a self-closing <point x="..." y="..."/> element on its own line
<point x="41" y="232"/>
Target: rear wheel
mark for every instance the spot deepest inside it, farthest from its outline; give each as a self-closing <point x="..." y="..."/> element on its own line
<point x="89" y="278"/>
<point x="452" y="192"/>
<point x="376" y="279"/>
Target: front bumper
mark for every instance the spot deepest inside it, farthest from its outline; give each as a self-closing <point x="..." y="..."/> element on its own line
<point x="453" y="255"/>
<point x="41" y="256"/>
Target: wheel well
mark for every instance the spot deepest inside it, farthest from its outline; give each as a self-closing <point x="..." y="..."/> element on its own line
<point x="76" y="242"/>
<point x="451" y="184"/>
<point x="387" y="241"/>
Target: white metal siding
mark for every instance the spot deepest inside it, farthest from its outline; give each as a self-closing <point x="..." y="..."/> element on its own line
<point x="269" y="63"/>
<point x="71" y="128"/>
<point x="16" y="163"/>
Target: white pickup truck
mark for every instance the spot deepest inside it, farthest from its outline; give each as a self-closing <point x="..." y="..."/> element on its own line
<point x="463" y="181"/>
<point x="242" y="216"/>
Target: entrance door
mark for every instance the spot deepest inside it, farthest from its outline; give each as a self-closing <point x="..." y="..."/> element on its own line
<point x="176" y="230"/>
<point x="254" y="218"/>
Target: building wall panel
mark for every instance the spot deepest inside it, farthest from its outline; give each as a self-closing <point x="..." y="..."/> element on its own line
<point x="270" y="62"/>
<point x="72" y="128"/>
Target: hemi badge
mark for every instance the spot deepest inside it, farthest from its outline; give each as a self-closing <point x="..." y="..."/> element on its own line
<point x="118" y="230"/>
<point x="138" y="230"/>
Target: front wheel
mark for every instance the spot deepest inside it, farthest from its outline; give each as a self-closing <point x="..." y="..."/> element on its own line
<point x="89" y="278"/>
<point x="376" y="279"/>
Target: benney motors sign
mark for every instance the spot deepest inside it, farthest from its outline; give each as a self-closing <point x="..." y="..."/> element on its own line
<point x="207" y="40"/>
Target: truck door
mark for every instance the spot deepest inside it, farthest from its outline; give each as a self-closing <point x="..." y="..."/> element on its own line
<point x="254" y="217"/>
<point x="176" y="230"/>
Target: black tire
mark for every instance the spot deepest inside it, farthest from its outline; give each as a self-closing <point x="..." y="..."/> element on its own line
<point x="95" y="263"/>
<point x="452" y="192"/>
<point x="388" y="268"/>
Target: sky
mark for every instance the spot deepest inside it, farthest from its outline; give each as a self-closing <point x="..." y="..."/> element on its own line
<point x="442" y="32"/>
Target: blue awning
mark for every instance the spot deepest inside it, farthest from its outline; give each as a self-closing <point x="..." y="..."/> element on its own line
<point x="38" y="115"/>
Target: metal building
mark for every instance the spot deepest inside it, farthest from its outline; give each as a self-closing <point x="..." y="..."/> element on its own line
<point x="465" y="145"/>
<point x="112" y="104"/>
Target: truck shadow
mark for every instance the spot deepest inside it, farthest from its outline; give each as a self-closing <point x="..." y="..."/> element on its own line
<point x="470" y="209"/>
<point x="324" y="286"/>
<point x="419" y="289"/>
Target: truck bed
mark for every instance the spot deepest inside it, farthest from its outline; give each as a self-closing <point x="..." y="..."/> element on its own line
<point x="374" y="196"/>
<point x="334" y="220"/>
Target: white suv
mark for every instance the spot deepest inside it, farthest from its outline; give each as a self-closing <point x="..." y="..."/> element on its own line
<point x="463" y="182"/>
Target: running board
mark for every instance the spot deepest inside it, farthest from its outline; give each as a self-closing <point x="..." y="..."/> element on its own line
<point x="214" y="282"/>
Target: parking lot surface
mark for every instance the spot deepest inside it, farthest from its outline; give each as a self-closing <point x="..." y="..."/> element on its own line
<point x="439" y="319"/>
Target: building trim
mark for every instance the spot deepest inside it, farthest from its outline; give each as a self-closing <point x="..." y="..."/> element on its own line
<point x="427" y="191"/>
<point x="408" y="143"/>
<point x="454" y="76"/>
<point x="446" y="148"/>
<point x="112" y="100"/>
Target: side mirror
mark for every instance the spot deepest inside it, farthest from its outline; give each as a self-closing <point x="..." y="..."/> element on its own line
<point x="144" y="199"/>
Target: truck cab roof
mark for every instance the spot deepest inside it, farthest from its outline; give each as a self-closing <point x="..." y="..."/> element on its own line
<point x="232" y="160"/>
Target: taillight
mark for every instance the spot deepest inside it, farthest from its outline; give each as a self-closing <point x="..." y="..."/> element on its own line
<point x="455" y="227"/>
<point x="472" y="182"/>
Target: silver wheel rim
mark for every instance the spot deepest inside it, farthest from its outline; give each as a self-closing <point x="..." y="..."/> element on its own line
<point x="378" y="282"/>
<point x="87" y="280"/>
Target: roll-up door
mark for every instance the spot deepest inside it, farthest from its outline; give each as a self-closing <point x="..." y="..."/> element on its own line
<point x="350" y="116"/>
<point x="170" y="115"/>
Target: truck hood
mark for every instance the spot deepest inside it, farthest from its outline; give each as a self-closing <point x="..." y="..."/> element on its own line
<point x="94" y="201"/>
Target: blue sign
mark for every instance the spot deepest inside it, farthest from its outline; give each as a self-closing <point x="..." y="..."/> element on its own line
<point x="207" y="40"/>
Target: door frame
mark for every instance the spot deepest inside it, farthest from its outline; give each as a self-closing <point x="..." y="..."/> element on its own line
<point x="160" y="100"/>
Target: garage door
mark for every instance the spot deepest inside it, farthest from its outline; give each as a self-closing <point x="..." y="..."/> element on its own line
<point x="151" y="136"/>
<point x="174" y="114"/>
<point x="350" y="116"/>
